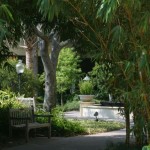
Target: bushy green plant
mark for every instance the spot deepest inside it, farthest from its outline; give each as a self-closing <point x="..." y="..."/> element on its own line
<point x="86" y="87"/>
<point x="71" y="105"/>
<point x="62" y="126"/>
<point x="101" y="75"/>
<point x="9" y="79"/>
<point x="68" y="71"/>
<point x="7" y="95"/>
<point x="7" y="101"/>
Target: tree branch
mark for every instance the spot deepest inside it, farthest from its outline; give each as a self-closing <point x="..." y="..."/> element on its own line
<point x="66" y="43"/>
<point x="40" y="34"/>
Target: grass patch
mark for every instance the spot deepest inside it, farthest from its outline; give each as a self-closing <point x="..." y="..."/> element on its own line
<point x="71" y="127"/>
<point x="92" y="126"/>
<point x="71" y="105"/>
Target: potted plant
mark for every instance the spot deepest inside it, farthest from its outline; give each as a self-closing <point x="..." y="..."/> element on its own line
<point x="86" y="90"/>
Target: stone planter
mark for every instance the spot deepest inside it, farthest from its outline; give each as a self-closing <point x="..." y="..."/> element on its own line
<point x="86" y="98"/>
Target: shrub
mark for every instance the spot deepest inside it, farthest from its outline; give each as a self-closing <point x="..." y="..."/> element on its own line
<point x="7" y="101"/>
<point x="8" y="77"/>
<point x="71" y="105"/>
<point x="86" y="87"/>
<point x="62" y="126"/>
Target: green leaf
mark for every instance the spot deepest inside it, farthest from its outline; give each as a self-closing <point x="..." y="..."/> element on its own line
<point x="118" y="35"/>
<point x="50" y="8"/>
<point x="144" y="24"/>
<point x="4" y="11"/>
<point x="107" y="9"/>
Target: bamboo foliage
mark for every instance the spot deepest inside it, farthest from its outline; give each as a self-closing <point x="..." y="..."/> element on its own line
<point x="129" y="52"/>
<point x="108" y="9"/>
<point x="50" y="8"/>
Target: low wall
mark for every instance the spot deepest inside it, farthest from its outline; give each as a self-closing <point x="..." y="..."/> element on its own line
<point x="83" y="105"/>
<point x="103" y="112"/>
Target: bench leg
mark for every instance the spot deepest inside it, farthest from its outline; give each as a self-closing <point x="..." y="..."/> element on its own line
<point x="34" y="130"/>
<point x="27" y="135"/>
<point x="49" y="132"/>
<point x="10" y="132"/>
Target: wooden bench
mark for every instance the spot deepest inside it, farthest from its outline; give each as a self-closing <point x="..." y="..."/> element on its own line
<point x="24" y="118"/>
<point x="28" y="101"/>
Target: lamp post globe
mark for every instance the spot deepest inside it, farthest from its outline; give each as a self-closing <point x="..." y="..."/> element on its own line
<point x="19" y="67"/>
<point x="19" y="70"/>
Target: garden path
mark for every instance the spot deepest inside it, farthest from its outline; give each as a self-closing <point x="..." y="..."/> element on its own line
<point x="86" y="142"/>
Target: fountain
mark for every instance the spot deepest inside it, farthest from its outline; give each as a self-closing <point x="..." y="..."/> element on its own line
<point x="106" y="109"/>
<point x="111" y="103"/>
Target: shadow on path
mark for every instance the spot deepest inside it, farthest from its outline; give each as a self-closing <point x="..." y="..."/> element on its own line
<point x="86" y="142"/>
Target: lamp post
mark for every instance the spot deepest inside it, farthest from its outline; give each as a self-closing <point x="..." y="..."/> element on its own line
<point x="19" y="70"/>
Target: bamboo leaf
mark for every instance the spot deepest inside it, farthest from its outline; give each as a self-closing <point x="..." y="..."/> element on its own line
<point x="50" y="8"/>
<point x="4" y="11"/>
<point x="118" y="35"/>
<point x="144" y="24"/>
<point x="107" y="9"/>
<point x="143" y="61"/>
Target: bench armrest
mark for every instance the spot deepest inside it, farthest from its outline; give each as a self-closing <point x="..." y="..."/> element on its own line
<point x="20" y="118"/>
<point x="43" y="115"/>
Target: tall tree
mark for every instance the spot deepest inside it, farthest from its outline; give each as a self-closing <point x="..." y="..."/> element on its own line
<point x="67" y="71"/>
<point x="27" y="18"/>
<point x="50" y="49"/>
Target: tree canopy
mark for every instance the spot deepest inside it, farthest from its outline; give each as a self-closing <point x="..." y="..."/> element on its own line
<point x="67" y="71"/>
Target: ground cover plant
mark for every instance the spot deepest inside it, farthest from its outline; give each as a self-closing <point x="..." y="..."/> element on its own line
<point x="71" y="105"/>
<point x="62" y="126"/>
<point x="73" y="127"/>
<point x="92" y="126"/>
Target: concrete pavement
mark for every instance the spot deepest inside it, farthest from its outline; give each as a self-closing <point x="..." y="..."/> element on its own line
<point x="86" y="142"/>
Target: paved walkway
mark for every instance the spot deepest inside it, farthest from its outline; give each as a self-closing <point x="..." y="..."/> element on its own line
<point x="87" y="142"/>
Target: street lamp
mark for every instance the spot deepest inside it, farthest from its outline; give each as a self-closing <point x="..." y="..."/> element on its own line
<point x="19" y="70"/>
<point x="86" y="78"/>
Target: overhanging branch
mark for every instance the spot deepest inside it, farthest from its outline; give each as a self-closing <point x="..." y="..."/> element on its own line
<point x="40" y="34"/>
<point x="66" y="43"/>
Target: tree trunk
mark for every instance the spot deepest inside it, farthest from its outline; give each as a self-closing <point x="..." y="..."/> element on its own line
<point x="29" y="60"/>
<point x="49" y="56"/>
<point x="31" y="52"/>
<point x="35" y="60"/>
<point x="62" y="103"/>
<point x="49" y="97"/>
<point x="127" y="117"/>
